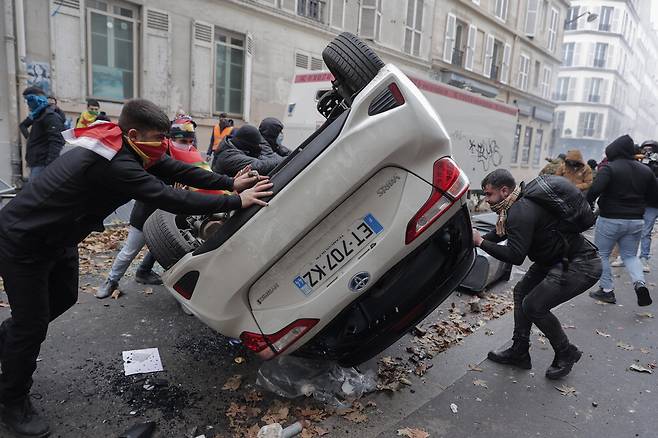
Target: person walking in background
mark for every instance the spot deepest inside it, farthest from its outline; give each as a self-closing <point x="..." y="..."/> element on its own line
<point x="575" y="170"/>
<point x="650" y="150"/>
<point x="90" y="115"/>
<point x="623" y="187"/>
<point x="44" y="140"/>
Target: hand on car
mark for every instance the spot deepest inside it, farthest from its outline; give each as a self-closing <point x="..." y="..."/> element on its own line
<point x="253" y="195"/>
<point x="247" y="178"/>
<point x="477" y="238"/>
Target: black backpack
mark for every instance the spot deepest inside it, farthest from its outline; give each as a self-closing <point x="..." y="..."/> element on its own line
<point x="562" y="199"/>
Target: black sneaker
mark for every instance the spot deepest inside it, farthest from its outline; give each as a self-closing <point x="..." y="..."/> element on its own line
<point x="606" y="297"/>
<point x="22" y="418"/>
<point x="148" y="277"/>
<point x="643" y="297"/>
<point x="563" y="362"/>
<point x="517" y="356"/>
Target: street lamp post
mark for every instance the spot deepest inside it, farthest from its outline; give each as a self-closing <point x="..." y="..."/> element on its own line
<point x="590" y="17"/>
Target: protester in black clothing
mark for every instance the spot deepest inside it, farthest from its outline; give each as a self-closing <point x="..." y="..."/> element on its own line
<point x="243" y="148"/>
<point x="565" y="265"/>
<point x="44" y="139"/>
<point x="41" y="228"/>
<point x="271" y="129"/>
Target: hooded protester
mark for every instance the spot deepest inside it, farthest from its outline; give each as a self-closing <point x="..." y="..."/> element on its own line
<point x="90" y="115"/>
<point x="564" y="266"/>
<point x="271" y="129"/>
<point x="623" y="188"/>
<point x="553" y="165"/>
<point x="592" y="165"/>
<point x="45" y="141"/>
<point x="42" y="226"/>
<point x="52" y="102"/>
<point x="576" y="170"/>
<point x="244" y="148"/>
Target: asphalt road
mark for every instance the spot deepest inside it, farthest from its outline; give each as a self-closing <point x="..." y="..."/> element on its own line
<point x="80" y="384"/>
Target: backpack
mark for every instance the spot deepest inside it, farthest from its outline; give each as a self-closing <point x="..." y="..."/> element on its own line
<point x="562" y="199"/>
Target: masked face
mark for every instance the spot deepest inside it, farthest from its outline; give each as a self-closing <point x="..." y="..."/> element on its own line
<point x="149" y="145"/>
<point x="279" y="138"/>
<point x="494" y="195"/>
<point x="93" y="110"/>
<point x="34" y="101"/>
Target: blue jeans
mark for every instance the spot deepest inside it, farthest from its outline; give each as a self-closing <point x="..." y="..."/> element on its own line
<point x="625" y="232"/>
<point x="131" y="247"/>
<point x="650" y="216"/>
<point x="35" y="171"/>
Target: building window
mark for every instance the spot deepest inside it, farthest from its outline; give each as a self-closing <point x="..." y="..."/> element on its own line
<point x="558" y="125"/>
<point x="545" y="88"/>
<point x="532" y="11"/>
<point x="552" y="29"/>
<point x="589" y="124"/>
<point x="571" y="23"/>
<point x="593" y="88"/>
<point x="600" y="54"/>
<point x="500" y="9"/>
<point x="313" y="9"/>
<point x="568" y="50"/>
<point x="524" y="68"/>
<point x="112" y="46"/>
<point x="371" y="19"/>
<point x="229" y="72"/>
<point x="338" y="14"/>
<point x="414" y="27"/>
<point x="515" y="145"/>
<point x="605" y="18"/>
<point x="536" y="153"/>
<point x="471" y="47"/>
<point x="527" y="139"/>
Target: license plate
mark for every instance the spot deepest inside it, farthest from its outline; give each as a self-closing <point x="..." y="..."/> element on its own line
<point x="341" y="251"/>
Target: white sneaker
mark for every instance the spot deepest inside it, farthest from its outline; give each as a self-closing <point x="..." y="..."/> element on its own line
<point x="645" y="265"/>
<point x="616" y="263"/>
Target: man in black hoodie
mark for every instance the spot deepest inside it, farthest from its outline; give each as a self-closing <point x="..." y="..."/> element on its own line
<point x="531" y="230"/>
<point x="271" y="129"/>
<point x="242" y="149"/>
<point x="41" y="228"/>
<point x="623" y="188"/>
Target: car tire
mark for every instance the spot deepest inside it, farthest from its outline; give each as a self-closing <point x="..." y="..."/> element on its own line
<point x="164" y="239"/>
<point x="352" y="63"/>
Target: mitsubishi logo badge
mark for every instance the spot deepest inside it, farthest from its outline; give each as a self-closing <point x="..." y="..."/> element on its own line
<point x="359" y="281"/>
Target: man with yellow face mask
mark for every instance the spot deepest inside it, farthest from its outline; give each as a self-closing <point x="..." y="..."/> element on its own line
<point x="42" y="226"/>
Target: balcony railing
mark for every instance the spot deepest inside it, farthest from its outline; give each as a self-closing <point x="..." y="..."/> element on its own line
<point x="458" y="57"/>
<point x="495" y="72"/>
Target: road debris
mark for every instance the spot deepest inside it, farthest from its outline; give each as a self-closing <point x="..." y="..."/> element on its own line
<point x="625" y="346"/>
<point x="141" y="361"/>
<point x="454" y="408"/>
<point x="566" y="390"/>
<point x="600" y="333"/>
<point x="479" y="382"/>
<point x="143" y="430"/>
<point x="640" y="369"/>
<point x="413" y="433"/>
<point x="233" y="383"/>
<point x="645" y="314"/>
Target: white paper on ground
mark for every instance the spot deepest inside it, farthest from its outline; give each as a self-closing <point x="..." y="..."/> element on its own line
<point x="141" y="361"/>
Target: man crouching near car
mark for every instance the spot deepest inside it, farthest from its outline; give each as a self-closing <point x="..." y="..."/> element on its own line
<point x="41" y="228"/>
<point x="530" y="231"/>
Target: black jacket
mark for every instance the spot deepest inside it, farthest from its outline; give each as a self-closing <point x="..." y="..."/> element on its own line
<point x="74" y="194"/>
<point x="25" y="124"/>
<point x="623" y="186"/>
<point x="45" y="141"/>
<point x="531" y="231"/>
<point x="230" y="160"/>
<point x="270" y="128"/>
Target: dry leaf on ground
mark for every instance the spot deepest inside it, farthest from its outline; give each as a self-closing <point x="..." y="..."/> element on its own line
<point x="116" y="294"/>
<point x="413" y="433"/>
<point x="233" y="383"/>
<point x="474" y="368"/>
<point x="566" y="390"/>
<point x="645" y="314"/>
<point x="600" y="333"/>
<point x="640" y="369"/>
<point x="479" y="382"/>
<point x="625" y="346"/>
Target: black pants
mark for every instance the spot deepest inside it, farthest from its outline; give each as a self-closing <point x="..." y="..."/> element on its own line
<point x="543" y="288"/>
<point x="147" y="263"/>
<point x="38" y="291"/>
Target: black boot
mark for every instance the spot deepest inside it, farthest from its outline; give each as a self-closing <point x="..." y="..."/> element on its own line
<point x="564" y="360"/>
<point x="22" y="418"/>
<point x="517" y="355"/>
<point x="147" y="277"/>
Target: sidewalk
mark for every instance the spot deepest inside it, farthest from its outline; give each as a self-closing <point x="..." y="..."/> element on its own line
<point x="603" y="397"/>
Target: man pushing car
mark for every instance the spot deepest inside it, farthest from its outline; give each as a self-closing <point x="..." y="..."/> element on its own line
<point x="41" y="228"/>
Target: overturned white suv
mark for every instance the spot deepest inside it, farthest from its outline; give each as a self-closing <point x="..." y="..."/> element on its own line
<point x="367" y="231"/>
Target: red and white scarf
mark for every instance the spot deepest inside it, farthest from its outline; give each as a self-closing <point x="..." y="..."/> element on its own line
<point x="102" y="137"/>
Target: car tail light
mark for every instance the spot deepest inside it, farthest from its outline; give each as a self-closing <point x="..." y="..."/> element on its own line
<point x="388" y="99"/>
<point x="185" y="286"/>
<point x="449" y="183"/>
<point x="277" y="342"/>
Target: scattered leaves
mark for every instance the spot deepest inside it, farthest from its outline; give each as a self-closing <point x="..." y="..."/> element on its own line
<point x="566" y="390"/>
<point x="233" y="383"/>
<point x="413" y="433"/>
<point x="472" y="367"/>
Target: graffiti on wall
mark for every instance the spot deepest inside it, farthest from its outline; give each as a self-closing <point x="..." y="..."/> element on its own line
<point x="486" y="152"/>
<point x="38" y="75"/>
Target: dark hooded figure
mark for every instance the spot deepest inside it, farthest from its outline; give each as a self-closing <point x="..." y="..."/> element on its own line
<point x="271" y="129"/>
<point x="242" y="149"/>
<point x="623" y="188"/>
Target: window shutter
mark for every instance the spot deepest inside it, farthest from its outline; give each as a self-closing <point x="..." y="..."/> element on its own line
<point x="248" y="62"/>
<point x="488" y="56"/>
<point x="301" y="60"/>
<point x="571" y="94"/>
<point x="587" y="86"/>
<point x="616" y="14"/>
<point x="581" y="124"/>
<point x="470" y="47"/>
<point x="598" y="125"/>
<point x="367" y="22"/>
<point x="504" y="71"/>
<point x="576" y="54"/>
<point x="531" y="17"/>
<point x="449" y="42"/>
<point x="156" y="53"/>
<point x="611" y="57"/>
<point x="337" y="13"/>
<point x="202" y="68"/>
<point x="67" y="75"/>
<point x="316" y="63"/>
<point x="288" y="5"/>
<point x="590" y="55"/>
<point x="604" y="91"/>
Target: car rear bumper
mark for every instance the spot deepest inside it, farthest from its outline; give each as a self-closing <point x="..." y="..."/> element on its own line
<point x="403" y="297"/>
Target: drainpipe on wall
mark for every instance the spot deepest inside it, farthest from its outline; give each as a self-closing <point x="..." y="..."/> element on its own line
<point x="13" y="96"/>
